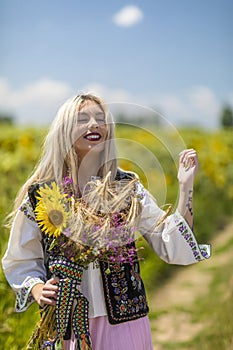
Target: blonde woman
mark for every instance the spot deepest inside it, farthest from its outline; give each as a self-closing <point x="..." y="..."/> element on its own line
<point x="71" y="247"/>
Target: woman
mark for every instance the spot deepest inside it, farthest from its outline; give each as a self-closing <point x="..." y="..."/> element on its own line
<point x="103" y="306"/>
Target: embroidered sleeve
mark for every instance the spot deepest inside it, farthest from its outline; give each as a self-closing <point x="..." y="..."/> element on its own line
<point x="199" y="251"/>
<point x="24" y="297"/>
<point x="23" y="262"/>
<point x="180" y="242"/>
<point x="172" y="240"/>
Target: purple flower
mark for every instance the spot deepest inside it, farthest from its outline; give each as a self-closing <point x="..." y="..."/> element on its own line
<point x="181" y="228"/>
<point x="123" y="283"/>
<point x="114" y="279"/>
<point x="67" y="232"/>
<point x="124" y="297"/>
<point x="67" y="181"/>
<point x="117" y="290"/>
<point x="204" y="253"/>
<point x="47" y="344"/>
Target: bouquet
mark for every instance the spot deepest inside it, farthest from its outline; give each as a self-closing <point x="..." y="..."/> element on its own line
<point x="99" y="226"/>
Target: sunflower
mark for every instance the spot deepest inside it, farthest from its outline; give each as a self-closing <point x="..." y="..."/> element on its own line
<point x="51" y="193"/>
<point x="50" y="211"/>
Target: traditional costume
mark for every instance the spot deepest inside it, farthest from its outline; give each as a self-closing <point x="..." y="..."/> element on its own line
<point x="96" y="308"/>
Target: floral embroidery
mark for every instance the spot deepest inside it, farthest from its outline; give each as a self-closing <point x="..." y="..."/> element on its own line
<point x="205" y="250"/>
<point x="135" y="278"/>
<point x="24" y="297"/>
<point x="125" y="293"/>
<point x="199" y="251"/>
<point x="182" y="228"/>
<point x="26" y="208"/>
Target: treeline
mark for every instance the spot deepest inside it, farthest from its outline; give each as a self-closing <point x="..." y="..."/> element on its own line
<point x="225" y="118"/>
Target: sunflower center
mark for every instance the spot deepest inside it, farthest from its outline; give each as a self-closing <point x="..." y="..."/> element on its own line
<point x="56" y="217"/>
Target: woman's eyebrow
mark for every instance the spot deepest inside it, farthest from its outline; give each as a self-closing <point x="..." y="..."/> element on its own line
<point x="86" y="114"/>
<point x="83" y="114"/>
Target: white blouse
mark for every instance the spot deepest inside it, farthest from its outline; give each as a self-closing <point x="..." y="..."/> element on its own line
<point x="23" y="263"/>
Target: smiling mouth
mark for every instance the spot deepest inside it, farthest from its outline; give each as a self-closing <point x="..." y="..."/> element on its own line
<point x="94" y="136"/>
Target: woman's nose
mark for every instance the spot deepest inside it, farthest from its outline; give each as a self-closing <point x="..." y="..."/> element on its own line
<point x="92" y="122"/>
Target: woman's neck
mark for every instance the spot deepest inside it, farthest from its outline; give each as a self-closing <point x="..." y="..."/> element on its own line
<point x="88" y="166"/>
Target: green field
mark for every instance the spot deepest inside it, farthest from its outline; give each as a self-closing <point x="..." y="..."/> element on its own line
<point x="153" y="154"/>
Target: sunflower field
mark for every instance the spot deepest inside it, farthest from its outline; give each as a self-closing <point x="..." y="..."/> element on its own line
<point x="153" y="155"/>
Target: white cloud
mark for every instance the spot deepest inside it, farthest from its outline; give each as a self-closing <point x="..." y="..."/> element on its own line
<point x="120" y="101"/>
<point x="171" y="106"/>
<point x="203" y="100"/>
<point x="108" y="95"/>
<point x="128" y="16"/>
<point x="4" y="91"/>
<point x="195" y="106"/>
<point x="35" y="103"/>
<point x="38" y="102"/>
<point x="230" y="99"/>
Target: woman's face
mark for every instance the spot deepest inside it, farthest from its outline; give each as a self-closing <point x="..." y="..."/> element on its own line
<point x="91" y="130"/>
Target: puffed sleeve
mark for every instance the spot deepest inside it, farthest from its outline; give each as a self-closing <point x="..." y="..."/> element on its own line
<point x="23" y="262"/>
<point x="172" y="240"/>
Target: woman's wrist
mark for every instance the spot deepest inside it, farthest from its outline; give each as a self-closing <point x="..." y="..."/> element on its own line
<point x="185" y="204"/>
<point x="185" y="187"/>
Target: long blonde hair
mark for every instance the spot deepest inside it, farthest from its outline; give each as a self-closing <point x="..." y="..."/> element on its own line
<point x="59" y="156"/>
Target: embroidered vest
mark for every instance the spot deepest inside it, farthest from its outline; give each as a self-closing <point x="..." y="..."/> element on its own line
<point x="124" y="291"/>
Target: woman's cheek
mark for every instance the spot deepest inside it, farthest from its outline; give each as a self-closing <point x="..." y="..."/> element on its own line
<point x="76" y="134"/>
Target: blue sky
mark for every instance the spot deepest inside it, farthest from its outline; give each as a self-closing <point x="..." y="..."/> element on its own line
<point x="172" y="55"/>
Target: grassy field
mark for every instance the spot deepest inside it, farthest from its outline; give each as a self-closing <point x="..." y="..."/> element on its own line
<point x="153" y="155"/>
<point x="196" y="307"/>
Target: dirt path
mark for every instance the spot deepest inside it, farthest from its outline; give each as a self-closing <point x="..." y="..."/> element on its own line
<point x="174" y="300"/>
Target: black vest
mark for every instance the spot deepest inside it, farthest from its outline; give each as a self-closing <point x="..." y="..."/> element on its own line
<point x="124" y="291"/>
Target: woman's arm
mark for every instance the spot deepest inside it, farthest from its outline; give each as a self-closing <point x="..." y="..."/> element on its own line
<point x="23" y="262"/>
<point x="172" y="239"/>
<point x="188" y="166"/>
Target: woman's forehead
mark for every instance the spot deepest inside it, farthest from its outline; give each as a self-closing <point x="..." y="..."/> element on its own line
<point x="89" y="106"/>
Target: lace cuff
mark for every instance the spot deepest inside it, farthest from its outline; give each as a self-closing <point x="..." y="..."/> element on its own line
<point x="24" y="297"/>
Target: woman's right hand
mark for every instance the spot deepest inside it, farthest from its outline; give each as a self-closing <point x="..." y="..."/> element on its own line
<point x="46" y="293"/>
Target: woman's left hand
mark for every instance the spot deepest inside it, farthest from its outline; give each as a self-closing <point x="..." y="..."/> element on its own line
<point x="188" y="166"/>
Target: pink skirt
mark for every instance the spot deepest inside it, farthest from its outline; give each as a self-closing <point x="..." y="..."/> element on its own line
<point x="131" y="335"/>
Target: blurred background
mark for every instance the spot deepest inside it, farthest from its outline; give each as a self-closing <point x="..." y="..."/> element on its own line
<point x="165" y="69"/>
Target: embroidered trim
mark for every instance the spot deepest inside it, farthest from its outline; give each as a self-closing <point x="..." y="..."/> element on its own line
<point x="188" y="236"/>
<point x="24" y="297"/>
<point x="140" y="191"/>
<point x="26" y="208"/>
<point x="200" y="251"/>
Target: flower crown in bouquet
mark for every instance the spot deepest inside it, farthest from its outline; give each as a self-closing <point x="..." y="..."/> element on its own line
<point x="98" y="226"/>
